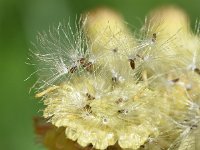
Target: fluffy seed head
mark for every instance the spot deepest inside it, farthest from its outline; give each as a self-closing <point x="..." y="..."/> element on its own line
<point x="113" y="88"/>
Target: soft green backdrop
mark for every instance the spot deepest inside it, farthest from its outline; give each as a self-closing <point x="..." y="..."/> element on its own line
<point x="19" y="23"/>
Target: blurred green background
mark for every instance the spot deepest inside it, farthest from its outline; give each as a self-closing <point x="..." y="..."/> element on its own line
<point x="20" y="20"/>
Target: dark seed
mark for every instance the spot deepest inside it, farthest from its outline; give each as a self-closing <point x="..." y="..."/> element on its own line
<point x="197" y="70"/>
<point x="175" y="80"/>
<point x="142" y="146"/>
<point x="88" y="66"/>
<point x="154" y="37"/>
<point x="81" y="61"/>
<point x="120" y="111"/>
<point x="115" y="50"/>
<point x="120" y="100"/>
<point x="114" y="79"/>
<point x="88" y="108"/>
<point x="132" y="63"/>
<point x="73" y="69"/>
<point x="90" y="97"/>
<point x="193" y="126"/>
<point x="123" y="111"/>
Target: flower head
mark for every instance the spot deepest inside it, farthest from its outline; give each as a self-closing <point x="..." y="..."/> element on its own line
<point x="104" y="86"/>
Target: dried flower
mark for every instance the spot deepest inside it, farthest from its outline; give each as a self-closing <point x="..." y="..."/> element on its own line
<point x="105" y="87"/>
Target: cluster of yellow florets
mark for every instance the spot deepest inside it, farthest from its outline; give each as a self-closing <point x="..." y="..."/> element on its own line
<point x="105" y="87"/>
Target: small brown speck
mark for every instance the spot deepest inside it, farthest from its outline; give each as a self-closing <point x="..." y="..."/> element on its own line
<point x="115" y="50"/>
<point x="90" y="97"/>
<point x="81" y="61"/>
<point x="197" y="70"/>
<point x="175" y="80"/>
<point x="88" y="66"/>
<point x="120" y="111"/>
<point x="193" y="126"/>
<point x="114" y="79"/>
<point x="88" y="108"/>
<point x="142" y="146"/>
<point x="123" y="111"/>
<point x="154" y="36"/>
<point x="132" y="63"/>
<point x="105" y="120"/>
<point x="73" y="69"/>
<point x="120" y="100"/>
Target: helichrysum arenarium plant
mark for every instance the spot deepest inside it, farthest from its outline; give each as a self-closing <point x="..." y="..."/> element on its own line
<point x="105" y="87"/>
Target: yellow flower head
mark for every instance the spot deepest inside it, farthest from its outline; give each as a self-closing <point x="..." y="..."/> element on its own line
<point x="105" y="87"/>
